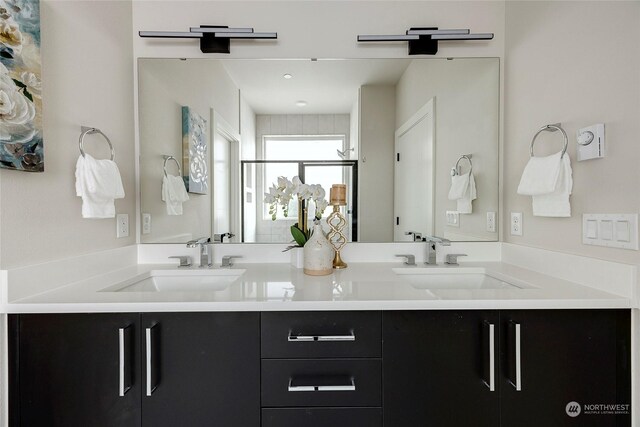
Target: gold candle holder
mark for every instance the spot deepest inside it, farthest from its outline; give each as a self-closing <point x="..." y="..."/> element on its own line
<point x="337" y="222"/>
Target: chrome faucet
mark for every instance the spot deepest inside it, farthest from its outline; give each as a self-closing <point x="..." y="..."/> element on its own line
<point x="431" y="248"/>
<point x="206" y="252"/>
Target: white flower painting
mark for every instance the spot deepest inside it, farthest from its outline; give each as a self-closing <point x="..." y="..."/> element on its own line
<point x="21" y="144"/>
<point x="194" y="147"/>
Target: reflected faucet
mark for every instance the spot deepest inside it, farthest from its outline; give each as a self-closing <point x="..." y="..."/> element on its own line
<point x="206" y="253"/>
<point x="219" y="238"/>
<point x="431" y="248"/>
<point x="417" y="237"/>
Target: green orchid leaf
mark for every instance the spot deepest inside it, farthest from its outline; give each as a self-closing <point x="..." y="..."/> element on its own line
<point x="298" y="235"/>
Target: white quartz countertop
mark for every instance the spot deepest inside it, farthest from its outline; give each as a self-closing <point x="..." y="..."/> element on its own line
<point x="362" y="286"/>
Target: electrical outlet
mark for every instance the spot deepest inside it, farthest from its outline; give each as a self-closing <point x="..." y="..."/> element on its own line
<point x="122" y="225"/>
<point x="491" y="222"/>
<point x="146" y="223"/>
<point x="516" y="223"/>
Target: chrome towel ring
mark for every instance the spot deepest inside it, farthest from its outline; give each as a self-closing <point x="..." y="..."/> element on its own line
<point x="456" y="170"/>
<point x="164" y="166"/>
<point x="551" y="128"/>
<point x="87" y="131"/>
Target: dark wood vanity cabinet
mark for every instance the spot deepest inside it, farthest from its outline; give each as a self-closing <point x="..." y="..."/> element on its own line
<point x="173" y="369"/>
<point x="581" y="356"/>
<point x="485" y="368"/>
<point x="437" y="368"/>
<point x="204" y="369"/>
<point x="321" y="369"/>
<point x="69" y="370"/>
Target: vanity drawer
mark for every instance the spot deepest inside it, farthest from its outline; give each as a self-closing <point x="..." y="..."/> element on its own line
<point x="321" y="417"/>
<point x="321" y="334"/>
<point x="321" y="382"/>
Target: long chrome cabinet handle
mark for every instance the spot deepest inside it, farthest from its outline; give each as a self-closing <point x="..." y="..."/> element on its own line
<point x="122" y="387"/>
<point x="518" y="384"/>
<point x="149" y="360"/>
<point x="492" y="358"/>
<point x="489" y="338"/>
<point x="309" y="338"/>
<point x="346" y="387"/>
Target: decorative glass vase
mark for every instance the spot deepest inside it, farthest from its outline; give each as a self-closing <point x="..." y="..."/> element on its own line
<point x="318" y="253"/>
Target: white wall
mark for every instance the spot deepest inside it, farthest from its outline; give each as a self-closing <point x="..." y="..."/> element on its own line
<point x="87" y="80"/>
<point x="248" y="152"/>
<point x="577" y="63"/>
<point x="375" y="168"/>
<point x="467" y="110"/>
<point x="164" y="87"/>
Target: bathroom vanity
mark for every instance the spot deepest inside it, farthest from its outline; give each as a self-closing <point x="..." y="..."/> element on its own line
<point x="370" y="368"/>
<point x="368" y="346"/>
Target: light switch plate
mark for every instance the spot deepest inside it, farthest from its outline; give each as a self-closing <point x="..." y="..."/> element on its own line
<point x="610" y="230"/>
<point x="122" y="225"/>
<point x="453" y="218"/>
<point x="491" y="222"/>
<point x="516" y="223"/>
<point x="146" y="223"/>
<point x="593" y="149"/>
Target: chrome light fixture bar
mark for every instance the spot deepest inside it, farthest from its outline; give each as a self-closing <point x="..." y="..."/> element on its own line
<point x="435" y="32"/>
<point x="170" y="34"/>
<point x="213" y="38"/>
<point x="424" y="41"/>
<point x="375" y="38"/>
<point x="478" y="36"/>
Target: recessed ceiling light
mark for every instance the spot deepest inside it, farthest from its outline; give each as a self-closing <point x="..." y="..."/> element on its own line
<point x="287" y="76"/>
<point x="301" y="103"/>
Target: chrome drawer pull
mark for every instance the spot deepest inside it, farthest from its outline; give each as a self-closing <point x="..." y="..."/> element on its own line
<point x="325" y="338"/>
<point x="346" y="387"/>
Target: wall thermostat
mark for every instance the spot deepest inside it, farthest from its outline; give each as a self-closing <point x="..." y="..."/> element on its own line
<point x="590" y="142"/>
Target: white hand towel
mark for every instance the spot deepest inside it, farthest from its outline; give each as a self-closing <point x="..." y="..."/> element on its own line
<point x="174" y="194"/>
<point x="556" y="203"/>
<point x="540" y="176"/>
<point x="463" y="191"/>
<point x="98" y="182"/>
<point x="459" y="185"/>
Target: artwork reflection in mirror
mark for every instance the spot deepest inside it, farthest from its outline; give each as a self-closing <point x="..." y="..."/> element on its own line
<point x="389" y="129"/>
<point x="195" y="152"/>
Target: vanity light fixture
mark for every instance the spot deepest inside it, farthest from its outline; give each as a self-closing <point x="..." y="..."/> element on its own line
<point x="424" y="41"/>
<point x="287" y="76"/>
<point x="213" y="38"/>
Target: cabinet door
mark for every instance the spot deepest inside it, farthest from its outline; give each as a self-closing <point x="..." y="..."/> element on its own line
<point x="557" y="364"/>
<point x="74" y="370"/>
<point x="440" y="369"/>
<point x="201" y="369"/>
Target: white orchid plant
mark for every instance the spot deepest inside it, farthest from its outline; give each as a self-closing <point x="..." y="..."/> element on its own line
<point x="282" y="192"/>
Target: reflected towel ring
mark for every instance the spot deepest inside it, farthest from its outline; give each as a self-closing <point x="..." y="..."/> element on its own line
<point x="86" y="131"/>
<point x="456" y="170"/>
<point x="551" y="128"/>
<point x="164" y="166"/>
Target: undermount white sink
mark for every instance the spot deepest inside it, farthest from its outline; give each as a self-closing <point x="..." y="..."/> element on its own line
<point x="179" y="281"/>
<point x="451" y="278"/>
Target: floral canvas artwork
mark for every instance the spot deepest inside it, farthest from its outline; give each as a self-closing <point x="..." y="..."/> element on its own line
<point x="21" y="144"/>
<point x="194" y="149"/>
